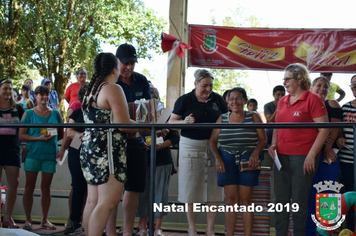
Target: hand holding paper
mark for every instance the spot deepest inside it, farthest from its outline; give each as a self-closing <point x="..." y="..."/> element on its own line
<point x="276" y="161"/>
<point x="60" y="162"/>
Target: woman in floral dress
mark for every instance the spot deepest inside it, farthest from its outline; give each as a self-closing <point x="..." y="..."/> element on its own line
<point x="103" y="152"/>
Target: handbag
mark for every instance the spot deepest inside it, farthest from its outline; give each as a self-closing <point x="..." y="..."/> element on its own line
<point x="25" y="150"/>
<point x="23" y="154"/>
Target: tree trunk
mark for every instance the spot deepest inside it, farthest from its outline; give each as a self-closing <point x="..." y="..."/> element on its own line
<point x="60" y="84"/>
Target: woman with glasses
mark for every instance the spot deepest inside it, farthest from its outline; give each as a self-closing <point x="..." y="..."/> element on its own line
<point x="197" y="174"/>
<point x="71" y="93"/>
<point x="346" y="153"/>
<point x="329" y="164"/>
<point x="10" y="112"/>
<point x="237" y="145"/>
<point x="298" y="149"/>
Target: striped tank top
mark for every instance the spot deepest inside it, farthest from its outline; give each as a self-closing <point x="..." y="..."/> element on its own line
<point x="346" y="154"/>
<point x="239" y="139"/>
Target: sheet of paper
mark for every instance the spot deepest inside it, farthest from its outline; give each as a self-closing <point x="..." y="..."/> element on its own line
<point x="76" y="142"/>
<point x="63" y="159"/>
<point x="328" y="160"/>
<point x="165" y="115"/>
<point x="276" y="160"/>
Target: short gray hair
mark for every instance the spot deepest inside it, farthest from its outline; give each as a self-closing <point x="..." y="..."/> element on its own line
<point x="201" y="74"/>
<point x="81" y="69"/>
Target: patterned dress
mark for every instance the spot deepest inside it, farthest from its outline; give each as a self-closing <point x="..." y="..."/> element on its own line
<point x="96" y="161"/>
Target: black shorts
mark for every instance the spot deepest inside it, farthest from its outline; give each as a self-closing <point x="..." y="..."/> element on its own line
<point x="9" y="158"/>
<point x="136" y="159"/>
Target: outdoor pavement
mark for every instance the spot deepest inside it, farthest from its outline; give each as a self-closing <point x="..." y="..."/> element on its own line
<point x="36" y="229"/>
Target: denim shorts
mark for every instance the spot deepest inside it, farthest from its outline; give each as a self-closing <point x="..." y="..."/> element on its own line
<point x="233" y="175"/>
<point x="37" y="165"/>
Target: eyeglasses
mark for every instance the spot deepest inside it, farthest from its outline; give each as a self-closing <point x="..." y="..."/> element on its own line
<point x="236" y="99"/>
<point x="286" y="79"/>
<point x="352" y="84"/>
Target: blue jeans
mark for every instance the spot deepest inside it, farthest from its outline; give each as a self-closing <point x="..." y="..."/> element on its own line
<point x="291" y="183"/>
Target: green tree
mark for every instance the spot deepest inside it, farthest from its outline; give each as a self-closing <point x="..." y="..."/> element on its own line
<point x="147" y="73"/>
<point x="229" y="78"/>
<point x="11" y="59"/>
<point x="56" y="37"/>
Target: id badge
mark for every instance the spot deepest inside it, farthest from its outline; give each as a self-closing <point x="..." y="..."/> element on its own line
<point x="52" y="131"/>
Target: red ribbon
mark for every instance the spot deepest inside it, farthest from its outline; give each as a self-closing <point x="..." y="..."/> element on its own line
<point x="167" y="45"/>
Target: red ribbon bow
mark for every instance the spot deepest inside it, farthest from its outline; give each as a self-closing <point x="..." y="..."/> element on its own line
<point x="167" y="45"/>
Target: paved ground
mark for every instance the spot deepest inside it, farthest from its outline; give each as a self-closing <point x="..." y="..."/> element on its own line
<point x="60" y="231"/>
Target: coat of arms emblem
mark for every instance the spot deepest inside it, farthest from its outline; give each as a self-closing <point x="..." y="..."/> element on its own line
<point x="209" y="41"/>
<point x="328" y="206"/>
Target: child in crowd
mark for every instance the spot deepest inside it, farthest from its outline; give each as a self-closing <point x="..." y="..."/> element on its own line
<point x="26" y="101"/>
<point x="16" y="95"/>
<point x="252" y="104"/>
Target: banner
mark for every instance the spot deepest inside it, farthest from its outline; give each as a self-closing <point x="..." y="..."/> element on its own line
<point x="323" y="50"/>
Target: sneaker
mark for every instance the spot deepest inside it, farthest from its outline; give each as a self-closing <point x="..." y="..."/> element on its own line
<point x="67" y="224"/>
<point x="74" y="228"/>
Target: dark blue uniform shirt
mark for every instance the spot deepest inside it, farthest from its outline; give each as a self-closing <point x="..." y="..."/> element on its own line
<point x="138" y="88"/>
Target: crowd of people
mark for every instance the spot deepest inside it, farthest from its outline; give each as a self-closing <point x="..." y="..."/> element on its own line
<point x="214" y="164"/>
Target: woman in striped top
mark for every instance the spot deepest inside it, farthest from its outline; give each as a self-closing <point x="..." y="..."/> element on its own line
<point x="236" y="145"/>
<point x="346" y="153"/>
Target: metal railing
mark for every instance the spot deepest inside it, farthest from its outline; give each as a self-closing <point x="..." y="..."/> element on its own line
<point x="155" y="127"/>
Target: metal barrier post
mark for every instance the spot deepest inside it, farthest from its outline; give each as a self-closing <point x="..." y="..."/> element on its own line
<point x="151" y="218"/>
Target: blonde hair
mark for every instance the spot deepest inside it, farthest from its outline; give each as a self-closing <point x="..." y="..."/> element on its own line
<point x="301" y="74"/>
<point x="201" y="74"/>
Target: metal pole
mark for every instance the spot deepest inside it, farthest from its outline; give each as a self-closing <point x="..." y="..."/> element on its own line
<point x="151" y="217"/>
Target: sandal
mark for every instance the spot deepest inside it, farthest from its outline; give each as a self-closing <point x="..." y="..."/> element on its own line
<point x="119" y="231"/>
<point x="158" y="232"/>
<point x="142" y="232"/>
<point x="27" y="226"/>
<point x="48" y="225"/>
<point x="11" y="224"/>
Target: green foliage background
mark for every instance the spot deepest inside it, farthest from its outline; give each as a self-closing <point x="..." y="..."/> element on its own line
<point x="55" y="37"/>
